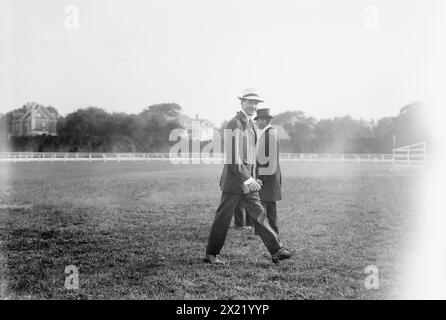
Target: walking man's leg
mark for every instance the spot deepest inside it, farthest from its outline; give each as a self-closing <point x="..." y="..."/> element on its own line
<point x="256" y="211"/>
<point x="238" y="216"/>
<point x="221" y="222"/>
<point x="248" y="220"/>
<point x="271" y="214"/>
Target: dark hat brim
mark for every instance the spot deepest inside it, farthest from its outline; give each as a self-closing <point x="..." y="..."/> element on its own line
<point x="263" y="117"/>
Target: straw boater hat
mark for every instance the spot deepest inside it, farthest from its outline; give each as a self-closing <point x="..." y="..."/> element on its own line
<point x="250" y="94"/>
<point x="263" y="113"/>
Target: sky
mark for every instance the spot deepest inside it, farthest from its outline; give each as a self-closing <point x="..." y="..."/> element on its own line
<point x="327" y="58"/>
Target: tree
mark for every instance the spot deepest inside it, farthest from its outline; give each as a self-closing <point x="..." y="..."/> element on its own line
<point x="168" y="110"/>
<point x="299" y="128"/>
<point x="410" y="124"/>
<point x="93" y="129"/>
<point x="383" y="133"/>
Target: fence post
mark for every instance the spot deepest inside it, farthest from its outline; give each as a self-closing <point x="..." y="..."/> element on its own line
<point x="89" y="156"/>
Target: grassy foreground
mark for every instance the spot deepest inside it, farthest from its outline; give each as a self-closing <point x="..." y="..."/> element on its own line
<point x="139" y="231"/>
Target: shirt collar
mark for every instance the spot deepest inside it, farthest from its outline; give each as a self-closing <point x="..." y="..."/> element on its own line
<point x="247" y="117"/>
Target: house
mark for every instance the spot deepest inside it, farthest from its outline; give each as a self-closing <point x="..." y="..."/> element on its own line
<point x="197" y="129"/>
<point x="33" y="120"/>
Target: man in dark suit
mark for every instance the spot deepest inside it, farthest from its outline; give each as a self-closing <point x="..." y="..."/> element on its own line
<point x="239" y="186"/>
<point x="271" y="183"/>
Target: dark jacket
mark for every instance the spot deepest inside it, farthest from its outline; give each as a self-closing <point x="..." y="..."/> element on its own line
<point x="234" y="174"/>
<point x="271" y="184"/>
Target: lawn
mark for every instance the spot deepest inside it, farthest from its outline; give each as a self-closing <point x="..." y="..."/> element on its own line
<point x="138" y="230"/>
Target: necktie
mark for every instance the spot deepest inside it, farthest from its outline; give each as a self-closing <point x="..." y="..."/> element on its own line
<point x="253" y="150"/>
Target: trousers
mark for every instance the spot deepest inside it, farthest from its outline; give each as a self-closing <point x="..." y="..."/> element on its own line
<point x="241" y="219"/>
<point x="271" y="214"/>
<point x="254" y="209"/>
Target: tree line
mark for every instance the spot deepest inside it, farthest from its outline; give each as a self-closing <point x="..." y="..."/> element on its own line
<point x="347" y="135"/>
<point x="93" y="129"/>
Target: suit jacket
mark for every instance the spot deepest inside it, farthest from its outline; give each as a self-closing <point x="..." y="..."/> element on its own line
<point x="235" y="174"/>
<point x="271" y="184"/>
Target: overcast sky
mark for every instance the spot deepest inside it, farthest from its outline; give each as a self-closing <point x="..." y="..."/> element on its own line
<point x="327" y="58"/>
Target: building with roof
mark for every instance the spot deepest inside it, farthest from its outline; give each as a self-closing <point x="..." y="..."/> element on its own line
<point x="198" y="129"/>
<point x="33" y="120"/>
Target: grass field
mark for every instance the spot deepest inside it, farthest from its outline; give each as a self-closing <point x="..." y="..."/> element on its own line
<point x="139" y="231"/>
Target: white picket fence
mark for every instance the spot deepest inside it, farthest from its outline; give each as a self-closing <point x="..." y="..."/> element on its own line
<point x="410" y="155"/>
<point x="397" y="158"/>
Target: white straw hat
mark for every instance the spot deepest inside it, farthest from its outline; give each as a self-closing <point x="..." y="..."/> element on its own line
<point x="250" y="94"/>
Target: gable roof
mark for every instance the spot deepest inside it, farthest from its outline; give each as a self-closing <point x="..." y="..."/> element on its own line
<point x="25" y="112"/>
<point x="47" y="112"/>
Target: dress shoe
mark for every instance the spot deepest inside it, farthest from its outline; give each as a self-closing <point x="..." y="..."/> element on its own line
<point x="282" y="254"/>
<point x="213" y="259"/>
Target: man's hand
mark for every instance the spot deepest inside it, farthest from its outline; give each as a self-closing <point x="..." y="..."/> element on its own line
<point x="254" y="186"/>
<point x="259" y="182"/>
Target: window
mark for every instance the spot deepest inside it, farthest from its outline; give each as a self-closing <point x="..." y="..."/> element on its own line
<point x="43" y="126"/>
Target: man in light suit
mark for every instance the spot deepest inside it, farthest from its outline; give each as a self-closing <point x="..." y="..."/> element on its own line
<point x="239" y="186"/>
